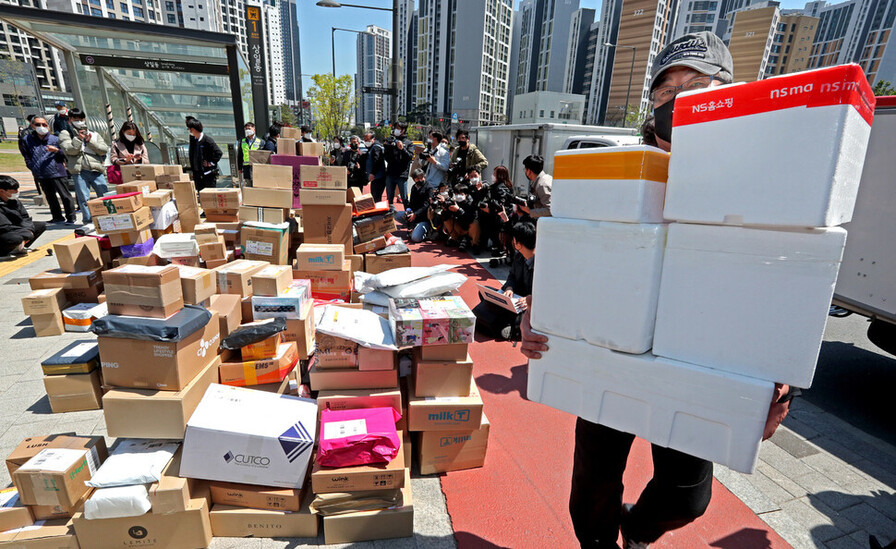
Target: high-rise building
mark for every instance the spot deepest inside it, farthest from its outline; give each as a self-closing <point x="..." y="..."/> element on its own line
<point x="49" y="67"/>
<point x="143" y="11"/>
<point x="273" y="43"/>
<point x="577" y="49"/>
<point x="544" y="39"/>
<point x="752" y="32"/>
<point x="410" y="72"/>
<point x="289" y="38"/>
<point x="191" y="15"/>
<point x="590" y="58"/>
<point x="374" y="63"/>
<point x="792" y="44"/>
<point x="698" y="16"/>
<point x="405" y="49"/>
<point x="604" y="56"/>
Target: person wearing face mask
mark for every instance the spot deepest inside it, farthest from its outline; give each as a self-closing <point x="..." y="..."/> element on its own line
<point x="250" y="142"/>
<point x="436" y="160"/>
<point x="45" y="159"/>
<point x="271" y="138"/>
<point x="17" y="230"/>
<point x="129" y="148"/>
<point x="306" y="134"/>
<point x="86" y="154"/>
<point x="24" y="132"/>
<point x="61" y="120"/>
<point x="337" y="151"/>
<point x="462" y="227"/>
<point x="204" y="156"/>
<point x="376" y="166"/>
<point x="468" y="153"/>
<point x="417" y="207"/>
<point x="540" y="185"/>
<point x="354" y="161"/>
<point x="399" y="153"/>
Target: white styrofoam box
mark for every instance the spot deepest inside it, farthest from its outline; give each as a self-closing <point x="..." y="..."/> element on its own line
<point x="250" y="437"/>
<point x="748" y="301"/>
<point x="625" y="184"/>
<point x="787" y="150"/>
<point x="598" y="281"/>
<point x="714" y="415"/>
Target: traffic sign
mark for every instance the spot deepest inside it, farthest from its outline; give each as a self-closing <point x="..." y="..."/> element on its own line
<point x="454" y="117"/>
<point x="377" y="90"/>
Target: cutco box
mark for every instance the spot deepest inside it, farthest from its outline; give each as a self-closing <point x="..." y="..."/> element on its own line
<point x="219" y="200"/>
<point x="125" y="222"/>
<point x="320" y="257"/>
<point x="236" y="277"/>
<point x="256" y="497"/>
<point x="230" y="313"/>
<point x="370" y="525"/>
<point x="80" y="254"/>
<point x="145" y="413"/>
<point x="230" y="521"/>
<point x="31" y="446"/>
<point x="196" y="284"/>
<point x="140" y="172"/>
<point x="270" y="198"/>
<point x="459" y="413"/>
<point x="443" y="451"/>
<point x="325" y="177"/>
<point x="187" y="529"/>
<point x="74" y="392"/>
<point x="442" y="378"/>
<point x="265" y="244"/>
<point x="359" y="478"/>
<point x="328" y="225"/>
<point x="143" y="291"/>
<point x="351" y="378"/>
<point x="375" y="264"/>
<point x="48" y="301"/>
<point x="322" y="197"/>
<point x="273" y="280"/>
<point x="268" y="176"/>
<point x="115" y="204"/>
<point x="263" y="214"/>
<point x="56" y="476"/>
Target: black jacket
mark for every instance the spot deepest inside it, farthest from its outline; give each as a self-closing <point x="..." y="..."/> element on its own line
<point x="357" y="175"/>
<point x="520" y="277"/>
<point x="15" y="219"/>
<point x="61" y="123"/>
<point x="399" y="161"/>
<point x="204" y="151"/>
<point x="466" y="215"/>
<point x="419" y="200"/>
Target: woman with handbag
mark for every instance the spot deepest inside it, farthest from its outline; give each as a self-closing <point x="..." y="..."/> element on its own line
<point x="127" y="149"/>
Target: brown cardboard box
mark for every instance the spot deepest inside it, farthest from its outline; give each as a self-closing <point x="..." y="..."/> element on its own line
<point x="273" y="280"/>
<point x="262" y="244"/>
<point x="55" y="278"/>
<point x="369" y="228"/>
<point x="351" y="378"/>
<point x="141" y="172"/>
<point x="269" y="198"/>
<point x="328" y="284"/>
<point x="377" y="243"/>
<point x="31" y="446"/>
<point x="44" y="302"/>
<point x="144" y="291"/>
<point x="289" y="132"/>
<point x="359" y="398"/>
<point x="146" y="261"/>
<point x="371" y="525"/>
<point x="269" y="176"/>
<point x="55" y="512"/>
<point x="321" y="197"/>
<point x="174" y="364"/>
<point x="357" y="263"/>
<point x="173" y="169"/>
<point x="129" y="238"/>
<point x="185" y="195"/>
<point x="80" y="254"/>
<point x="223" y="216"/>
<point x="144" y="187"/>
<point x="216" y="200"/>
<point x="236" y="277"/>
<point x="302" y="331"/>
<point x="251" y="371"/>
<point x="173" y="494"/>
<point x="325" y="177"/>
<point x="335" y="352"/>
<point x="239" y="522"/>
<point x="443" y="451"/>
<point x="286" y="146"/>
<point x="259" y="157"/>
<point x="246" y="307"/>
<point x="281" y="388"/>
<point x="56" y="534"/>
<point x="12" y="513"/>
<point x="116" y="204"/>
<point x="264" y="215"/>
<point x="376" y="359"/>
<point x="363" y="202"/>
<point x="462" y="413"/>
<point x="442" y="378"/>
<point x="328" y="225"/>
<point x="168" y="181"/>
<point x="320" y="257"/>
<point x="124" y="223"/>
<point x="190" y="528"/>
<point x="380" y="476"/>
<point x="230" y="313"/>
<point x="48" y="325"/>
<point x="452" y="351"/>
<point x="213" y="251"/>
<point x="157" y="199"/>
<point x="255" y="497"/>
<point x="311" y="149"/>
<point x="196" y="284"/>
<point x="146" y="413"/>
<point x="74" y="392"/>
<point x="56" y="476"/>
<point x="375" y="264"/>
<point x="189" y="218"/>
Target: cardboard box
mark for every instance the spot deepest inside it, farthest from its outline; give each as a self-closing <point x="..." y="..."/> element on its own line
<point x="48" y="301"/>
<point x="146" y="413"/>
<point x="452" y="351"/>
<point x="359" y="478"/>
<point x="56" y="534"/>
<point x="335" y="352"/>
<point x="329" y="284"/>
<point x="359" y="398"/>
<point x="214" y="251"/>
<point x="79" y="357"/>
<point x="143" y="187"/>
<point x="460" y="413"/>
<point x="173" y="494"/>
<point x="302" y="331"/>
<point x="229" y="311"/>
<point x="376" y="359"/>
<point x="371" y="227"/>
<point x="328" y="225"/>
<point x="320" y="257"/>
<point x="288" y="304"/>
<point x="143" y="291"/>
<point x="228" y="216"/>
<point x="255" y="497"/>
<point x="288" y="132"/>
<point x="55" y="278"/>
<point x="80" y="254"/>
<point x="270" y="198"/>
<point x="311" y="149"/>
<point x="259" y="157"/>
<point x="351" y="378"/>
<point x="443" y="451"/>
<point x="116" y="204"/>
<point x="266" y="370"/>
<point x="12" y="513"/>
<point x="48" y="325"/>
<point x="130" y="238"/>
<point x="240" y="435"/>
<point x="55" y="512"/>
<point x="236" y="277"/>
<point x="286" y="146"/>
<point x="363" y="202"/>
<point x="442" y="378"/>
<point x="431" y="321"/>
<point x="296" y="163"/>
<point x="377" y="243"/>
<point x="273" y="280"/>
<point x="322" y="197"/>
<point x="124" y="223"/>
<point x="218" y="200"/>
<point x="230" y="521"/>
<point x="375" y="264"/>
<point x="268" y="176"/>
<point x="372" y="525"/>
<point x="157" y="199"/>
<point x="175" y="363"/>
<point x="74" y="392"/>
<point x="357" y="262"/>
<point x="31" y="446"/>
<point x="325" y="177"/>
<point x="190" y="528"/>
<point x="141" y="172"/>
<point x="264" y="215"/>
<point x="56" y="476"/>
<point x="167" y="181"/>
<point x="265" y="244"/>
<point x="196" y="284"/>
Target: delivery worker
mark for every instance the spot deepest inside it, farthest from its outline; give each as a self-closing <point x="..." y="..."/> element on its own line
<point x="251" y="142"/>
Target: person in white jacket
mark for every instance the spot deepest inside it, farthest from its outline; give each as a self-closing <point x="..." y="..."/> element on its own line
<point x="85" y="153"/>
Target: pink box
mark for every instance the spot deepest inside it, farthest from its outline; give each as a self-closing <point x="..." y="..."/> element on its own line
<point x="296" y="162"/>
<point x="358" y="437"/>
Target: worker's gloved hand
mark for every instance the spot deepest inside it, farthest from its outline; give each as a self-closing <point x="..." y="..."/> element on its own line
<point x="779" y="408"/>
<point x="533" y="344"/>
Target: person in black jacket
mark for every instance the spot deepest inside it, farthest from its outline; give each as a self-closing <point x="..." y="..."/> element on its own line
<point x="463" y="227"/>
<point x="271" y="138"/>
<point x="24" y="132"/>
<point x="204" y="156"/>
<point x="60" y="121"/>
<point x="17" y="229"/>
<point x="417" y="206"/>
<point x="494" y="219"/>
<point x="399" y="153"/>
<point x="355" y="161"/>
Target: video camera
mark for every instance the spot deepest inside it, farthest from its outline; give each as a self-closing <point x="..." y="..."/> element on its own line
<point x="526" y="201"/>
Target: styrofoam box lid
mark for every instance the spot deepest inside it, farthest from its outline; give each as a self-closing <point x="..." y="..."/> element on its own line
<point x="629" y="162"/>
<point x="251" y="412"/>
<point x="628" y="235"/>
<point x="780" y="243"/>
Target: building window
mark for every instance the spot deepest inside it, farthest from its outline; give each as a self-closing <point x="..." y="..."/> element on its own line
<point x="169" y="5"/>
<point x="171" y="19"/>
<point x="552" y="114"/>
<point x="124" y="7"/>
<point x="138" y="12"/>
<point x="96" y="12"/>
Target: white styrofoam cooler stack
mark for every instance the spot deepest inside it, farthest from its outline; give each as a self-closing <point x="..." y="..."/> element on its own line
<point x="746" y="300"/>
<point x="711" y="414"/>
<point x="624" y="184"/>
<point x="598" y="281"/>
<point x="787" y="150"/>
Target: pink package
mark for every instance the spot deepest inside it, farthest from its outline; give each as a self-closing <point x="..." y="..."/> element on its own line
<point x="358" y="437"/>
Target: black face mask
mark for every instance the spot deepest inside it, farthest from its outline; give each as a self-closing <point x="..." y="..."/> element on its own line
<point x="354" y="146"/>
<point x="663" y="121"/>
<point x="462" y="144"/>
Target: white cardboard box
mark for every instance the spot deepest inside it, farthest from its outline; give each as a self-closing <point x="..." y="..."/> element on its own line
<point x="598" y="281"/>
<point x="787" y="150"/>
<point x="625" y="184"/>
<point x="251" y="437"/>
<point x="703" y="412"/>
<point x="748" y="301"/>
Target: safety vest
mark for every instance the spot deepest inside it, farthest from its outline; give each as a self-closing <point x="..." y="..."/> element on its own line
<point x="247" y="147"/>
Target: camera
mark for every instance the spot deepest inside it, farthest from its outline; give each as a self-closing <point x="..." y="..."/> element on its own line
<point x="527" y="201"/>
<point x="424" y="154"/>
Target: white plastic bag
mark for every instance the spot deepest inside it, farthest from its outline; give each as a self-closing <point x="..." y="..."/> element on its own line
<point x="117" y="502"/>
<point x="364" y="327"/>
<point x="366" y="282"/>
<point x="134" y="461"/>
<point x="164" y="216"/>
<point x="438" y="284"/>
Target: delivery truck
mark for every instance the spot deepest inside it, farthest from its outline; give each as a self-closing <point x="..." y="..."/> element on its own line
<point x="510" y="144"/>
<point x="867" y="284"/>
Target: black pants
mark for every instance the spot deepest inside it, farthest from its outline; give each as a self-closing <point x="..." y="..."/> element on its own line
<point x="247" y="172"/>
<point x="56" y="190"/>
<point x="377" y="186"/>
<point x="10" y="241"/>
<point x="204" y="181"/>
<point x="678" y="493"/>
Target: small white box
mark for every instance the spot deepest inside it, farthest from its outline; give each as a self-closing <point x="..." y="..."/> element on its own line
<point x="748" y="301"/>
<point x="787" y="150"/>
<point x="598" y="281"/>
<point x="251" y="437"/>
<point x="625" y="184"/>
<point x="714" y="415"/>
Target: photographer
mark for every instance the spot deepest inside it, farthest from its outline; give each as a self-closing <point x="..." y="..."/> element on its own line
<point x="376" y="166"/>
<point x="399" y="153"/>
<point x="494" y="218"/>
<point x="85" y="153"/>
<point x="540" y="185"/>
<point x="466" y="155"/>
<point x="415" y="210"/>
<point x="353" y="159"/>
<point x="436" y="158"/>
<point x="462" y="227"/>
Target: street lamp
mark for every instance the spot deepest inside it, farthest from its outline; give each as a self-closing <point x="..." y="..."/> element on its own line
<point x="630" y="74"/>
<point x="394" y="68"/>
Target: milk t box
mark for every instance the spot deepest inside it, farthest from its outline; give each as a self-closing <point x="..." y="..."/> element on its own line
<point x="625" y="184"/>
<point x="598" y="281"/>
<point x="250" y="437"/>
<point x="711" y="414"/>
<point x="749" y="301"/>
<point x="787" y="150"/>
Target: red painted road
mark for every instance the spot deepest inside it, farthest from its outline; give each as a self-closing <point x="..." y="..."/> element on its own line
<point x="519" y="499"/>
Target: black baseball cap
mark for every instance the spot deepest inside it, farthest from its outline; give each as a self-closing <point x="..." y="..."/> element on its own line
<point x="702" y="51"/>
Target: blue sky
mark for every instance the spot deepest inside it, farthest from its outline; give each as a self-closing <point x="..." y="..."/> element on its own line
<point x="315" y="24"/>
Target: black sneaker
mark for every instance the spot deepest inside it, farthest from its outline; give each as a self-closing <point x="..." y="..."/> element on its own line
<point x="57" y="220"/>
<point x="475" y="250"/>
<point x="451" y="243"/>
<point x="626" y="542"/>
<point x="497" y="252"/>
<point x="464" y="244"/>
